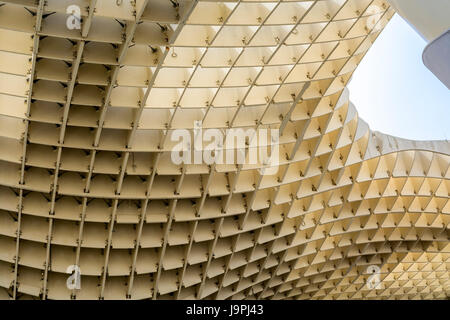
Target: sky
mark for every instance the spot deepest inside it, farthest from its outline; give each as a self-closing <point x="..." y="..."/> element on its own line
<point x="395" y="93"/>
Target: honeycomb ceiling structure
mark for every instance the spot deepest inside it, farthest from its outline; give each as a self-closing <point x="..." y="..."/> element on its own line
<point x="86" y="176"/>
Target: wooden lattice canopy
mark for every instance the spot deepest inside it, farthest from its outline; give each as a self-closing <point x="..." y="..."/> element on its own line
<point x="86" y="176"/>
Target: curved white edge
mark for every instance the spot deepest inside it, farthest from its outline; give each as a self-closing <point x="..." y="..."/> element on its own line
<point x="436" y="57"/>
<point x="429" y="18"/>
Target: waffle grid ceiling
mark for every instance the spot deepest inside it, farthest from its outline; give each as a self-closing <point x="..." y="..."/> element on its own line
<point x="86" y="176"/>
